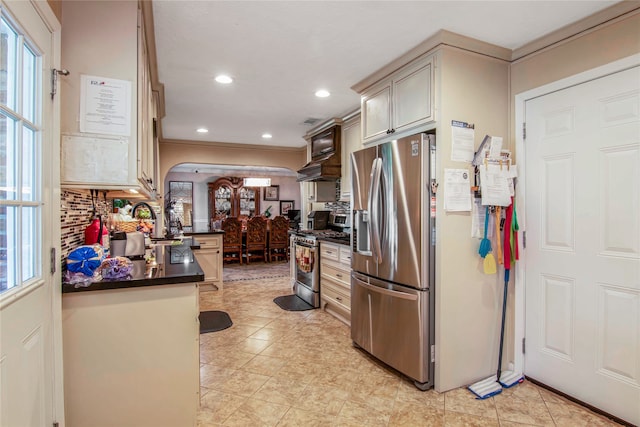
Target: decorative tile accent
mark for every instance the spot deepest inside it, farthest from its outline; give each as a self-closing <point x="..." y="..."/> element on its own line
<point x="75" y="212"/>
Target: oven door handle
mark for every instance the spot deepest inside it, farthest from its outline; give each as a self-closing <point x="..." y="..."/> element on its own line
<point x="305" y="245"/>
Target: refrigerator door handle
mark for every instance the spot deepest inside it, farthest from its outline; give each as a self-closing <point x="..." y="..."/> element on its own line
<point x="389" y="292"/>
<point x="374" y="199"/>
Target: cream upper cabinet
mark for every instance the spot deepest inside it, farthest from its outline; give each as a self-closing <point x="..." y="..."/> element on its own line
<point x="351" y="141"/>
<point x="400" y="102"/>
<point x="94" y="157"/>
<point x="147" y="112"/>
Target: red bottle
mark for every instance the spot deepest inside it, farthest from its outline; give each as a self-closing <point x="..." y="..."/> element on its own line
<point x="94" y="233"/>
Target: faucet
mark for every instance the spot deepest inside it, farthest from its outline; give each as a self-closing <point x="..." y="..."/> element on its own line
<point x="133" y="210"/>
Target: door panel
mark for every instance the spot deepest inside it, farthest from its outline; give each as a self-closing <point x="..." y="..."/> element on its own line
<point x="361" y="167"/>
<point x="392" y="322"/>
<point x="30" y="338"/>
<point x="583" y="242"/>
<point x="401" y="231"/>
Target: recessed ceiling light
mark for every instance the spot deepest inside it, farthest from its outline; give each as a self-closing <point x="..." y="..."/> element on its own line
<point x="267" y="136"/>
<point x="202" y="130"/>
<point x="322" y="93"/>
<point x="224" y="79"/>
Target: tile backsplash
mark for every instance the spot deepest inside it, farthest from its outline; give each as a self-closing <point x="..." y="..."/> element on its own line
<point x="75" y="212"/>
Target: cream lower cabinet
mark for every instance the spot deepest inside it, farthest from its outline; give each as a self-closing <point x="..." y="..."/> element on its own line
<point x="131" y="356"/>
<point x="209" y="256"/>
<point x="335" y="280"/>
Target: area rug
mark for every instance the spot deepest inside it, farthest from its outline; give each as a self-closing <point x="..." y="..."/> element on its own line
<point x="256" y="270"/>
<point x="213" y="321"/>
<point x="292" y="303"/>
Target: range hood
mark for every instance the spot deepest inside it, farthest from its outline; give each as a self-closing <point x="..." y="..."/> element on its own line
<point x="325" y="156"/>
<point x="324" y="168"/>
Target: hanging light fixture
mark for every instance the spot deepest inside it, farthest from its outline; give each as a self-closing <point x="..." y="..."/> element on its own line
<point x="257" y="182"/>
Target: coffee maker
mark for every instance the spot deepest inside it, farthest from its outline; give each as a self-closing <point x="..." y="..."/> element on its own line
<point x="130" y="245"/>
<point x="318" y="220"/>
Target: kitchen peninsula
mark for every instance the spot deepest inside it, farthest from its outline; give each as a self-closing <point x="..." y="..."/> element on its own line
<point x="131" y="347"/>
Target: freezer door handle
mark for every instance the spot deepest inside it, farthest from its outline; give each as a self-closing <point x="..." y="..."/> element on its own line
<point x="389" y="292"/>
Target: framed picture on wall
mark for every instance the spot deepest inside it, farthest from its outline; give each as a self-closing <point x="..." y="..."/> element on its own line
<point x="285" y="205"/>
<point x="272" y="193"/>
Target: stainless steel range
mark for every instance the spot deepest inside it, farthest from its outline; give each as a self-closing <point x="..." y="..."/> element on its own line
<point x="307" y="259"/>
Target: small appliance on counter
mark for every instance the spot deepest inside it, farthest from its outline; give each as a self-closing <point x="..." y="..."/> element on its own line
<point x="318" y="220"/>
<point x="130" y="245"/>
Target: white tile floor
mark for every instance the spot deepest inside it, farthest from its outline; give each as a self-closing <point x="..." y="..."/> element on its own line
<point x="280" y="368"/>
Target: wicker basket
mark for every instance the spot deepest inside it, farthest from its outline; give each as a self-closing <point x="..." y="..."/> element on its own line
<point x="127" y="226"/>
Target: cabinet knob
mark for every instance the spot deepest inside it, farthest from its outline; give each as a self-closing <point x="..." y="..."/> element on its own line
<point x="338" y="298"/>
<point x="339" y="275"/>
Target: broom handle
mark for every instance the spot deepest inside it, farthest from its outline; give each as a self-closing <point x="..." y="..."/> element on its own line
<point x="504" y="312"/>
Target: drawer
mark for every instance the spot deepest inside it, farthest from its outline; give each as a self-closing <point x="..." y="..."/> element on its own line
<point x="337" y="274"/>
<point x="345" y="255"/>
<point x="329" y="251"/>
<point x="209" y="242"/>
<point x="335" y="294"/>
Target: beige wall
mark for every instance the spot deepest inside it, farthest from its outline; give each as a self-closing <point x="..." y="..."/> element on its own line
<point x="173" y="153"/>
<point x="474" y="89"/>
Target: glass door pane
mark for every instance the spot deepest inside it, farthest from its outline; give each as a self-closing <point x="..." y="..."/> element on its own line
<point x="20" y="159"/>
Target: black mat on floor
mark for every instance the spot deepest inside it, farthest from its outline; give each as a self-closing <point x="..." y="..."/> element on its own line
<point x="292" y="303"/>
<point x="212" y="321"/>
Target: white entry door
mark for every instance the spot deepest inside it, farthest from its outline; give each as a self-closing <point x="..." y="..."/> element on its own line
<point x="582" y="273"/>
<point x="29" y="220"/>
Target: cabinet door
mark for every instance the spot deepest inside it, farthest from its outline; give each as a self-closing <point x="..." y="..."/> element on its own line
<point x="350" y="142"/>
<point x="222" y="201"/>
<point x="209" y="260"/>
<point x="412" y="96"/>
<point x="376" y="112"/>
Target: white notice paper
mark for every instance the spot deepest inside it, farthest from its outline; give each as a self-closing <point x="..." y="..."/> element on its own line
<point x="494" y="185"/>
<point x="495" y="147"/>
<point x="94" y="159"/>
<point x="462" y="136"/>
<point x="105" y="106"/>
<point x="457" y="190"/>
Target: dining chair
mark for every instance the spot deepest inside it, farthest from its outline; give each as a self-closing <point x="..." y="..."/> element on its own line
<point x="232" y="240"/>
<point x="279" y="238"/>
<point x="256" y="239"/>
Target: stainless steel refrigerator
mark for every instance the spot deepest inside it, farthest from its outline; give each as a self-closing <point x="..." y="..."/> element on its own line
<point x="393" y="229"/>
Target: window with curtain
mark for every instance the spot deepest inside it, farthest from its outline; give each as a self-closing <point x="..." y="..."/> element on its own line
<point x="20" y="160"/>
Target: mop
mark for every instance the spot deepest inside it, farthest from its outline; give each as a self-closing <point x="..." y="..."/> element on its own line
<point x="508" y="378"/>
<point x="493" y="385"/>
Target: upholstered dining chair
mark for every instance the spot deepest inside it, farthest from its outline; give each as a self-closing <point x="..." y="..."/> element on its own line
<point x="256" y="239"/>
<point x="279" y="238"/>
<point x="232" y="240"/>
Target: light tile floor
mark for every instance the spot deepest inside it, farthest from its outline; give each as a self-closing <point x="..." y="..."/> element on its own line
<point x="280" y="368"/>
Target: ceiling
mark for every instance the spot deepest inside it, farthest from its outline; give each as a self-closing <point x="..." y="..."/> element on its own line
<point x="280" y="52"/>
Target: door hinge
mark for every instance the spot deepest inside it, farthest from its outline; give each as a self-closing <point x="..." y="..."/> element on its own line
<point x="53" y="260"/>
<point x="433" y="353"/>
<point x="524" y="131"/>
<point x="524" y="239"/>
<point x="523" y="345"/>
<point x="55" y="424"/>
<point x="54" y="80"/>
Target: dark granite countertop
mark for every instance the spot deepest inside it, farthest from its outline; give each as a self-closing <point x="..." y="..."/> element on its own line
<point x="338" y="241"/>
<point x="174" y="264"/>
<point x="204" y="233"/>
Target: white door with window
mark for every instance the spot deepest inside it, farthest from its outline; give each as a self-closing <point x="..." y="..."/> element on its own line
<point x="30" y="386"/>
<point x="582" y="273"/>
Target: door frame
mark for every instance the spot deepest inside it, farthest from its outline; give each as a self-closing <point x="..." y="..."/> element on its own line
<point x="521" y="198"/>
